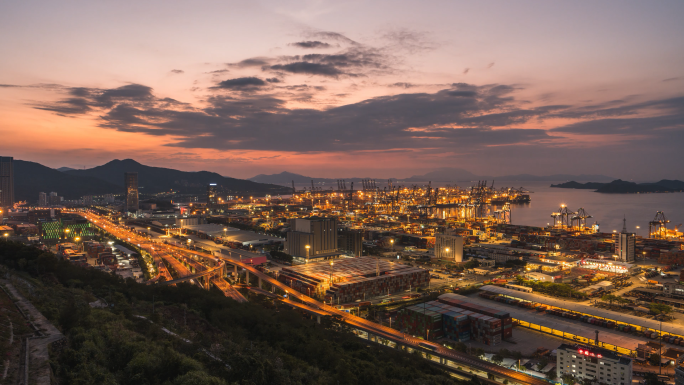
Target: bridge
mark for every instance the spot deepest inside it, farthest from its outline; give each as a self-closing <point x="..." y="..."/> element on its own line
<point x="207" y="274"/>
<point x="373" y="330"/>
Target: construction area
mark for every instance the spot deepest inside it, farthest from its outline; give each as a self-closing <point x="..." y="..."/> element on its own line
<point x="350" y="279"/>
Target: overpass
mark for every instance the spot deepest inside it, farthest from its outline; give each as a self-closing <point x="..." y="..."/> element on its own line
<point x="216" y="271"/>
<point x="444" y="355"/>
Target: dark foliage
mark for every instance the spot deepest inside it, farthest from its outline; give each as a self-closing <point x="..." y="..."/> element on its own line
<point x="231" y="343"/>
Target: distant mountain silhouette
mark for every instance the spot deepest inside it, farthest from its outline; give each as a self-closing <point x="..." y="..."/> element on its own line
<point x="446" y="174"/>
<point x="62" y="169"/>
<point x="580" y="186"/>
<point x="623" y="187"/>
<point x="286" y="178"/>
<point x="159" y="179"/>
<point x="31" y="178"/>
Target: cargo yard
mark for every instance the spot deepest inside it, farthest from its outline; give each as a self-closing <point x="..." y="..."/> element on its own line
<point x="348" y="280"/>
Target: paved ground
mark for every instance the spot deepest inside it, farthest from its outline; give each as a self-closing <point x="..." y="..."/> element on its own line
<point x="39" y="368"/>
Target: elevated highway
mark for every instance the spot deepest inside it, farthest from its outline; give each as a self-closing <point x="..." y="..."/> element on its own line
<point x="445" y="356"/>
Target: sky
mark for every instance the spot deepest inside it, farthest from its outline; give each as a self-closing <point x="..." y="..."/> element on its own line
<point x="347" y="88"/>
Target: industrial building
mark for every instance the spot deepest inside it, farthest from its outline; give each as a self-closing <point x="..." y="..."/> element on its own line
<point x="609" y="266"/>
<point x="592" y="363"/>
<point x="131" y="183"/>
<point x="350" y="279"/>
<point x="449" y="247"/>
<point x="6" y="182"/>
<point x="312" y="238"/>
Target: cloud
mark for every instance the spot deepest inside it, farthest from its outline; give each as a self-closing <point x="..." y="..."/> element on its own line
<point x="465" y="71"/>
<point x="273" y="80"/>
<point x="671" y="79"/>
<point x="490" y="65"/>
<point x="311" y="44"/>
<point x="402" y="85"/>
<point x="332" y="36"/>
<point x="408" y="40"/>
<point x="241" y="83"/>
<point x="459" y="116"/>
<point x="177" y="71"/>
<point x="252" y="62"/>
<point x="216" y="72"/>
<point x="309" y="69"/>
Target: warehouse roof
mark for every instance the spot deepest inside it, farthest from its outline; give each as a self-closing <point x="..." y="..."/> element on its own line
<point x="581" y="308"/>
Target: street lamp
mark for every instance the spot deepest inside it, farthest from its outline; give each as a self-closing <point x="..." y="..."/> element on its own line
<point x="307" y="247"/>
<point x="637" y="230"/>
<point x="331" y="272"/>
<point x="392" y="242"/>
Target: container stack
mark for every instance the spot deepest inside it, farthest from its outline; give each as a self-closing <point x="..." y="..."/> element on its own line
<point x="419" y="321"/>
<point x="460" y="301"/>
<point x="457" y="324"/>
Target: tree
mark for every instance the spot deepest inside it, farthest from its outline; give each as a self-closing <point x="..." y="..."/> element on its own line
<point x="660" y="308"/>
<point x="567" y="379"/>
<point x="654" y="359"/>
<point x="551" y="374"/>
<point x="652" y="379"/>
<point x="497" y="359"/>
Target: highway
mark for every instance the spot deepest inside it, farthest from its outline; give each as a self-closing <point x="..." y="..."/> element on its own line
<point x="316" y="306"/>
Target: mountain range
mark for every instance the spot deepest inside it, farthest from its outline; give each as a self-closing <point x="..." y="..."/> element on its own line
<point x="625" y="187"/>
<point x="447" y="174"/>
<point x="30" y="178"/>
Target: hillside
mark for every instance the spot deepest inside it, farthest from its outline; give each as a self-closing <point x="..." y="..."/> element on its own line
<point x="194" y="336"/>
<point x="159" y="179"/>
<point x="620" y="186"/>
<point x="30" y="178"/>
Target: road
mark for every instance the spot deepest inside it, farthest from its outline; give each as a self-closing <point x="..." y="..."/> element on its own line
<point x="314" y="305"/>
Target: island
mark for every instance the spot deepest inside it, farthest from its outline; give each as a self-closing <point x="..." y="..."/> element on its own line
<point x="624" y="187"/>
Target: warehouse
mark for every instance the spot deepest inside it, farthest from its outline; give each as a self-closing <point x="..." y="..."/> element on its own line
<point x="350" y="279"/>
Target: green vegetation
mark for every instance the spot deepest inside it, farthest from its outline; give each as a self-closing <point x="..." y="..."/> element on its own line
<point x="260" y="342"/>
<point x="279" y="255"/>
<point x="660" y="308"/>
<point x="610" y="298"/>
<point x="551" y="288"/>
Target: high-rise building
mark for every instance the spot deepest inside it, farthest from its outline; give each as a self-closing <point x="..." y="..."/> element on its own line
<point x="212" y="195"/>
<point x="53" y="199"/>
<point x="625" y="244"/>
<point x="109" y="198"/>
<point x="131" y="183"/>
<point x="6" y="182"/>
<point x="593" y="363"/>
<point x="42" y="199"/>
<point x="350" y="241"/>
<point x="319" y="234"/>
<point x="87" y="200"/>
<point x="449" y="247"/>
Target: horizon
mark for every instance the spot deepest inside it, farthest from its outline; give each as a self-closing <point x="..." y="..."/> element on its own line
<point x="605" y="177"/>
<point x="319" y="88"/>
